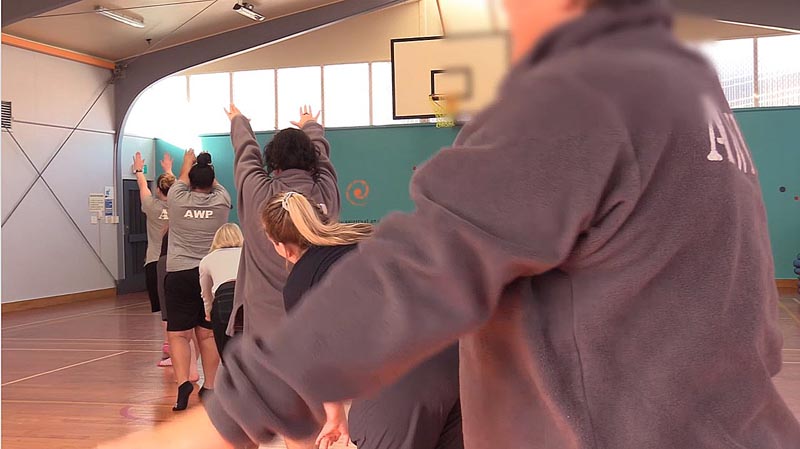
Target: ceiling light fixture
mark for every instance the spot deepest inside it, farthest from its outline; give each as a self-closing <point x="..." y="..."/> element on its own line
<point x="247" y="10"/>
<point x="119" y="17"/>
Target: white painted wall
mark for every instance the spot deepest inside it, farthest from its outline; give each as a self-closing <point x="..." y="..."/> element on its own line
<point x="43" y="252"/>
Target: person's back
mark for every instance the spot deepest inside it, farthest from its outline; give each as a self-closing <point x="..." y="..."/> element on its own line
<point x="659" y="328"/>
<point x="420" y="410"/>
<point x="196" y="216"/>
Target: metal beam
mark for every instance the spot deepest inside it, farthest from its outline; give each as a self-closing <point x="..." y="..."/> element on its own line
<point x="773" y="13"/>
<point x="139" y="73"/>
<point x="15" y="10"/>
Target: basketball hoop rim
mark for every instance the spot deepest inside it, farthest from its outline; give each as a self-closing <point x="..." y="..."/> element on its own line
<point x="447" y="97"/>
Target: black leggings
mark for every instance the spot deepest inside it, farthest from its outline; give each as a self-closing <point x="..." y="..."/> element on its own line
<point x="221" y="314"/>
<point x="420" y="411"/>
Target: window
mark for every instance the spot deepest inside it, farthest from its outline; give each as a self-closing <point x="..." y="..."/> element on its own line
<point x="209" y="94"/>
<point x="779" y="70"/>
<point x="254" y="95"/>
<point x="163" y="111"/>
<point x="297" y="87"/>
<point x="346" y="95"/>
<point x="382" y="97"/>
<point x="733" y="60"/>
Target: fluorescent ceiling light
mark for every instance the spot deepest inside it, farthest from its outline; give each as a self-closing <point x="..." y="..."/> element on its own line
<point x="247" y="10"/>
<point x="766" y="27"/>
<point x="119" y="17"/>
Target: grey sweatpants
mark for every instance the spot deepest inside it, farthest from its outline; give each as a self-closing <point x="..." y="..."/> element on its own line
<point x="421" y="411"/>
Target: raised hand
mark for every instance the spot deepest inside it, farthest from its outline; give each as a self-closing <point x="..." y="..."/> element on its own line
<point x="233" y="112"/>
<point x="306" y="115"/>
<point x="189" y="157"/>
<point x="138" y="162"/>
<point x="166" y="163"/>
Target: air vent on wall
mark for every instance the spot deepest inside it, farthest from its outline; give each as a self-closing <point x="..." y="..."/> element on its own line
<point x="6" y="115"/>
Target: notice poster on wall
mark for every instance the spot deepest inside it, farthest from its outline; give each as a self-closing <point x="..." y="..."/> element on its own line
<point x="108" y="200"/>
<point x="96" y="202"/>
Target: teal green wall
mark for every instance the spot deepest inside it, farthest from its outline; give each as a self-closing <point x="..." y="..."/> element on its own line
<point x="384" y="157"/>
<point x="772" y="135"/>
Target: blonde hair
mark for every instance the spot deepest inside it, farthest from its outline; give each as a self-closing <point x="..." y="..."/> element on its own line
<point x="291" y="218"/>
<point x="228" y="236"/>
<point x="164" y="183"/>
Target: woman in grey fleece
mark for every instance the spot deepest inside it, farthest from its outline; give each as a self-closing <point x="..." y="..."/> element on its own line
<point x="298" y="161"/>
<point x="596" y="239"/>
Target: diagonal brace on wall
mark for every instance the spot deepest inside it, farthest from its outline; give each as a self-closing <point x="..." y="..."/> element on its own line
<point x="39" y="176"/>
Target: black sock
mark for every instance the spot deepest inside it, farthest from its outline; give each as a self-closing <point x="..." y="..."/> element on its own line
<point x="184" y="391"/>
<point x="203" y="391"/>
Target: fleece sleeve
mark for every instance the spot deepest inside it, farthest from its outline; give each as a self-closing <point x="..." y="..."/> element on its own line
<point x="251" y="179"/>
<point x="327" y="178"/>
<point x="525" y="181"/>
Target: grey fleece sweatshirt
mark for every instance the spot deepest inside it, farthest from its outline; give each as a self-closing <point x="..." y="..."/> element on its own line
<point x="262" y="272"/>
<point x="598" y="242"/>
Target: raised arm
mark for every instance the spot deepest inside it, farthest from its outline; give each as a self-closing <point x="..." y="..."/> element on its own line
<point x="189" y="159"/>
<point x="166" y="164"/>
<point x="326" y="171"/>
<point x="252" y="180"/>
<point x="138" y="167"/>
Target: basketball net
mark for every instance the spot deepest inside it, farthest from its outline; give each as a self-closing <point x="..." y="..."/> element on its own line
<point x="444" y="108"/>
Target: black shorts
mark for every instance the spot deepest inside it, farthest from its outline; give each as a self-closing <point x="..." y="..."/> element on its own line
<point x="151" y="280"/>
<point x="185" y="309"/>
<point x="162" y="276"/>
<point x="221" y="314"/>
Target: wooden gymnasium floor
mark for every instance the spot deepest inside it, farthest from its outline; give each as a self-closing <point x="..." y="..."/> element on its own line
<point x="78" y="374"/>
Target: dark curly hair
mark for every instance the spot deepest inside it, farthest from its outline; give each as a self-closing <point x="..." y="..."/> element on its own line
<point x="291" y="148"/>
<point x="202" y="176"/>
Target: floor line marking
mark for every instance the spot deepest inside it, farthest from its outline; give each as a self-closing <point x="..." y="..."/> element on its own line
<point x="77" y="315"/>
<point x="63" y="368"/>
<point x="791" y="315"/>
<point x="81" y="339"/>
<point x="84" y="350"/>
<point x="113" y="404"/>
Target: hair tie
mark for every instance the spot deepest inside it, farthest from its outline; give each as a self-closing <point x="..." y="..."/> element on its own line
<point x="285" y="201"/>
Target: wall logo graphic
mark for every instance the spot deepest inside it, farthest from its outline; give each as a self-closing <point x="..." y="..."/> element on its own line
<point x="357" y="192"/>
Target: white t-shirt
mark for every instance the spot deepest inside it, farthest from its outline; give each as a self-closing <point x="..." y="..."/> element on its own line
<point x="217" y="268"/>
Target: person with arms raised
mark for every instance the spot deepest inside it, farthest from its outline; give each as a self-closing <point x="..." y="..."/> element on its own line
<point x="198" y="206"/>
<point x="295" y="159"/>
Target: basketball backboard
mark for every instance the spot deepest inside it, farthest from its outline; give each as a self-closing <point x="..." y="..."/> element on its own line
<point x="467" y="67"/>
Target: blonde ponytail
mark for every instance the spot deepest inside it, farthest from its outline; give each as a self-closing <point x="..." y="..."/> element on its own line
<point x="291" y="218"/>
